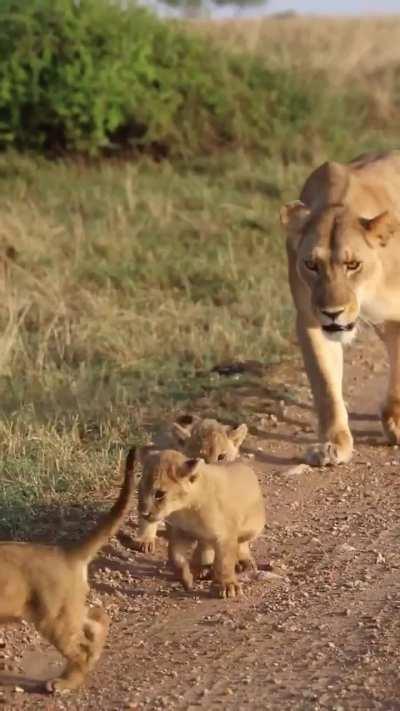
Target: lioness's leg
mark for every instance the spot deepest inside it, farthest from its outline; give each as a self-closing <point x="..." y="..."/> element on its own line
<point x="225" y="578"/>
<point x="391" y="409"/>
<point x="146" y="538"/>
<point x="323" y="360"/>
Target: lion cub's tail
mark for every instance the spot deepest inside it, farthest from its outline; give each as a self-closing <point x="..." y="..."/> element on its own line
<point x="87" y="548"/>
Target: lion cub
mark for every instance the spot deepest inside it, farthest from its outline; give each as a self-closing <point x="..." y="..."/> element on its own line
<point x="47" y="585"/>
<point x="220" y="506"/>
<point x="207" y="438"/>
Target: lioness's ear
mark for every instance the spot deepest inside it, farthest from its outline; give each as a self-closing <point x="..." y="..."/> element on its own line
<point x="237" y="434"/>
<point x="294" y="215"/>
<point x="379" y="229"/>
<point x="191" y="468"/>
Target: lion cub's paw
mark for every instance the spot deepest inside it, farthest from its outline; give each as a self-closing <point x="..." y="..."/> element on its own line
<point x="145" y="545"/>
<point x="228" y="590"/>
<point x="59" y="686"/>
<point x="327" y="454"/>
<point x="391" y="428"/>
<point x="246" y="564"/>
<point x="187" y="580"/>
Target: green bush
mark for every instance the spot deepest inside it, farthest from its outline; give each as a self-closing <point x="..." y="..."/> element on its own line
<point x="88" y="76"/>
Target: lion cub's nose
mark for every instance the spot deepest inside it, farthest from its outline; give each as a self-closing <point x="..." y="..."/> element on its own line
<point x="332" y="314"/>
<point x="145" y="514"/>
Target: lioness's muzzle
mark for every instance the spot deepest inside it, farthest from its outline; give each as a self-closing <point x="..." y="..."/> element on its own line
<point x="335" y="327"/>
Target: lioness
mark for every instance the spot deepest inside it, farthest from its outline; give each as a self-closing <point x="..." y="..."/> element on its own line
<point x="196" y="437"/>
<point x="220" y="506"/>
<point x="343" y="245"/>
<point x="47" y="585"/>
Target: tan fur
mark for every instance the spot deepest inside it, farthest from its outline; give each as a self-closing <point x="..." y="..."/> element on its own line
<point x="47" y="585"/>
<point x="343" y="245"/>
<point x="219" y="506"/>
<point x="195" y="437"/>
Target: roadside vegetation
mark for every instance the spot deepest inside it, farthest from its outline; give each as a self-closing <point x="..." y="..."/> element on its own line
<point x="142" y="171"/>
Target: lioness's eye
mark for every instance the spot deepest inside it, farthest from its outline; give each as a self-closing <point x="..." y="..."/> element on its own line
<point x="221" y="457"/>
<point x="352" y="266"/>
<point x="311" y="265"/>
<point x="159" y="494"/>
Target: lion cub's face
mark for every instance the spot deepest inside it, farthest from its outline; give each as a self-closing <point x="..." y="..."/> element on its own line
<point x="209" y="439"/>
<point x="167" y="483"/>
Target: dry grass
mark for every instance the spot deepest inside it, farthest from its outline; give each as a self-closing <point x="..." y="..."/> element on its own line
<point x="364" y="53"/>
<point x="346" y="49"/>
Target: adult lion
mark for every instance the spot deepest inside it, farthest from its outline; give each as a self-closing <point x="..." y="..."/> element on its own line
<point x="343" y="245"/>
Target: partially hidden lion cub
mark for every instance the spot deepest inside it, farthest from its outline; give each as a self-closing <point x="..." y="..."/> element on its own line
<point x="220" y="506"/>
<point x="47" y="585"/>
<point x="196" y="437"/>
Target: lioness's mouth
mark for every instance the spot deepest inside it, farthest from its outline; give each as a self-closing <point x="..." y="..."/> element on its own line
<point x="336" y="327"/>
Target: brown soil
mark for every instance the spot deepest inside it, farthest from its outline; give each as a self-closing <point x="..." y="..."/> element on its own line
<point x="318" y="628"/>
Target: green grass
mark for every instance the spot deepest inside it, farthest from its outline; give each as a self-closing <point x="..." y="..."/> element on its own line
<point x="129" y="282"/>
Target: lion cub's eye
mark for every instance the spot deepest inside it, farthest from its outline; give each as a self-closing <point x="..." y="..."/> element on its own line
<point x="311" y="264"/>
<point x="221" y="457"/>
<point x="159" y="494"/>
<point x="352" y="266"/>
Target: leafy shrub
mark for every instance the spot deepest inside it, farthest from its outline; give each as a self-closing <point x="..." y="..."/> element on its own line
<point x="90" y="75"/>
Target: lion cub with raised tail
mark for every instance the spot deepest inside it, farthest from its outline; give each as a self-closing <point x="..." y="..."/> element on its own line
<point x="219" y="506"/>
<point x="47" y="585"/>
<point x="196" y="437"/>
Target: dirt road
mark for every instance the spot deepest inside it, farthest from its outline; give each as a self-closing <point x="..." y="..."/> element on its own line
<point x="318" y="630"/>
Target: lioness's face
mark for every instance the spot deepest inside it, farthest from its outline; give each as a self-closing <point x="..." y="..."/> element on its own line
<point x="167" y="484"/>
<point x="338" y="259"/>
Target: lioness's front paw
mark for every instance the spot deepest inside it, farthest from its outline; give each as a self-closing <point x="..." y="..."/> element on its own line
<point x="228" y="590"/>
<point x="328" y="454"/>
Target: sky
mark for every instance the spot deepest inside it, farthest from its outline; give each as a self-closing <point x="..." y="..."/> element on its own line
<point x="336" y="7"/>
<point x="321" y="7"/>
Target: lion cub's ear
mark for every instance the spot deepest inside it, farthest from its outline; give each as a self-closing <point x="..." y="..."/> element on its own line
<point x="191" y="469"/>
<point x="182" y="428"/>
<point x="144" y="451"/>
<point x="237" y="434"/>
<point x="294" y="215"/>
<point x="380" y="229"/>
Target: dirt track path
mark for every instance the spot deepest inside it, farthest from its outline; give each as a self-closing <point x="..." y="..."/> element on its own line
<point x="321" y="632"/>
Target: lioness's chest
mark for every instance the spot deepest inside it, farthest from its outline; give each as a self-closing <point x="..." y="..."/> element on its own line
<point x="376" y="311"/>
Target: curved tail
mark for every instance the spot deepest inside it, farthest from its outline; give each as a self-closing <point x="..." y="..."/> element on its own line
<point x="87" y="548"/>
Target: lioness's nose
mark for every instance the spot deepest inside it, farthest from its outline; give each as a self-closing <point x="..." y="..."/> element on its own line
<point x="332" y="314"/>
